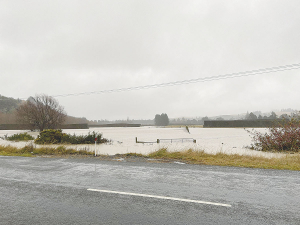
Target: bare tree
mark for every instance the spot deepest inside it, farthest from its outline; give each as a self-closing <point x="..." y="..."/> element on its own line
<point x="41" y="112"/>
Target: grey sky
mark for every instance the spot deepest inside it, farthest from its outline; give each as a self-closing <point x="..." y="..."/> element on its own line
<point x="63" y="46"/>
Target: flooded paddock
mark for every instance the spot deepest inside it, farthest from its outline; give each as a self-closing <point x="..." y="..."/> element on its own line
<point x="123" y="140"/>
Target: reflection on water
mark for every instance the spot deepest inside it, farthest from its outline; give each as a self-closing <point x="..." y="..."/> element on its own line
<point x="211" y="140"/>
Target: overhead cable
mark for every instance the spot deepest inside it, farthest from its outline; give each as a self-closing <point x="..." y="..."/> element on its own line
<point x="190" y="81"/>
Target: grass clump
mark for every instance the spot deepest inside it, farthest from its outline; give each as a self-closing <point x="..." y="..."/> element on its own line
<point x="134" y="155"/>
<point x="288" y="162"/>
<point x="19" y="137"/>
<point x="58" y="137"/>
<point x="30" y="150"/>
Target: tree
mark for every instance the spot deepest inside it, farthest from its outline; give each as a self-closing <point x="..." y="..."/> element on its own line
<point x="205" y="118"/>
<point x="8" y="105"/>
<point x="161" y="120"/>
<point x="284" y="116"/>
<point x="252" y="116"/>
<point x="247" y="116"/>
<point x="157" y="120"/>
<point x="296" y="115"/>
<point x="41" y="112"/>
<point x="273" y="116"/>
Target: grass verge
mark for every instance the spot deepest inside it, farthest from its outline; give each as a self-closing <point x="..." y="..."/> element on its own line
<point x="31" y="151"/>
<point x="288" y="162"/>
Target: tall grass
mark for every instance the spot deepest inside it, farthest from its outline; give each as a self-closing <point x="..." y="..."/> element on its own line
<point x="30" y="150"/>
<point x="288" y="162"/>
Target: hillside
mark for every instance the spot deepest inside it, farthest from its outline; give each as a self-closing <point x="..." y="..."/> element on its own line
<point x="8" y="115"/>
<point x="8" y="104"/>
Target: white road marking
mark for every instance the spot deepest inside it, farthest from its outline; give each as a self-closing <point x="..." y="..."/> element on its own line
<point x="181" y="163"/>
<point x="160" y="197"/>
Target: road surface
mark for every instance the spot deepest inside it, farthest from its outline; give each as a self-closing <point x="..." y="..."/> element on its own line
<point x="91" y="191"/>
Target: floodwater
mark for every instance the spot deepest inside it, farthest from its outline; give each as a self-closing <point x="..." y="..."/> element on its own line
<point x="123" y="140"/>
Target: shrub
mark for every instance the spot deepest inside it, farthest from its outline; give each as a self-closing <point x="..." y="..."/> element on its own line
<point x="49" y="137"/>
<point x="83" y="139"/>
<point x="283" y="136"/>
<point x="58" y="137"/>
<point x="20" y="137"/>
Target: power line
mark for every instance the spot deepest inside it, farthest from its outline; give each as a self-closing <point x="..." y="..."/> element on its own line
<point x="190" y="81"/>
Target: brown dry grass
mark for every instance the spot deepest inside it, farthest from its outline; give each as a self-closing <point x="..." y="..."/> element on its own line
<point x="30" y="151"/>
<point x="288" y="162"/>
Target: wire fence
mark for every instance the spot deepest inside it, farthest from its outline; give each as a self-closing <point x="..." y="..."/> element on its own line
<point x="168" y="140"/>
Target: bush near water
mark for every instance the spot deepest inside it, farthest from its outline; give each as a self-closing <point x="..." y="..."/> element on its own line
<point x="19" y="137"/>
<point x="284" y="136"/>
<point x="58" y="137"/>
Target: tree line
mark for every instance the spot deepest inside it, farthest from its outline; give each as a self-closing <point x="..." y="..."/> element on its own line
<point x="44" y="112"/>
<point x="272" y="116"/>
<point x="161" y="120"/>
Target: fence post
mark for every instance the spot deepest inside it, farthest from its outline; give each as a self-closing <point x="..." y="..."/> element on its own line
<point x="157" y="141"/>
<point x="95" y="146"/>
<point x="136" y="140"/>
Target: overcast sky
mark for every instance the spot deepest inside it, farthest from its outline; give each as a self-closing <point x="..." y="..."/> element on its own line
<point x="69" y="46"/>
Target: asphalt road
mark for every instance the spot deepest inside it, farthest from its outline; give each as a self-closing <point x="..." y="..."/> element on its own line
<point x="58" y="191"/>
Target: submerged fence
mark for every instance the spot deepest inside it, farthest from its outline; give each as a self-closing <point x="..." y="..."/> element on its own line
<point x="168" y="140"/>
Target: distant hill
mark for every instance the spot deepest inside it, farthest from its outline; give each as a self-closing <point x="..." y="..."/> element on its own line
<point x="8" y="115"/>
<point x="8" y="104"/>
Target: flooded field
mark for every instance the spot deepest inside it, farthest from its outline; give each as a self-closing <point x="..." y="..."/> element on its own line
<point x="123" y="140"/>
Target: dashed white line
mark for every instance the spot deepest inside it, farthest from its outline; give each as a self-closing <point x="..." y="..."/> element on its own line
<point x="160" y="197"/>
